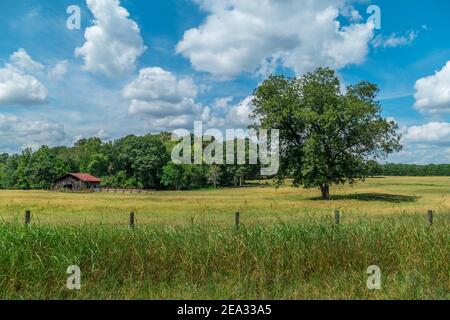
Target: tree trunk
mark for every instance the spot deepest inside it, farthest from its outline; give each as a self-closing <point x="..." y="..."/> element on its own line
<point x="325" y="189"/>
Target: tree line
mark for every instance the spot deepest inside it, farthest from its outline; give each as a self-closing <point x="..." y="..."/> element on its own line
<point x="129" y="162"/>
<point x="144" y="162"/>
<point x="411" y="170"/>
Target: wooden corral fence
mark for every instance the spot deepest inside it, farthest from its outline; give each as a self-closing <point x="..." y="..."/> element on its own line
<point x="112" y="190"/>
<point x="123" y="191"/>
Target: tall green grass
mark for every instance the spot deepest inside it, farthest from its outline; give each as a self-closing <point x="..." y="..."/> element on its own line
<point x="308" y="260"/>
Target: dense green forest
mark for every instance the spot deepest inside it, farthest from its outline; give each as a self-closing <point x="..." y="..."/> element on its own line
<point x="129" y="162"/>
<point x="413" y="170"/>
<point x="144" y="162"/>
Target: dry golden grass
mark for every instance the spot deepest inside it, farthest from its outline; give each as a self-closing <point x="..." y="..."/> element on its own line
<point x="377" y="197"/>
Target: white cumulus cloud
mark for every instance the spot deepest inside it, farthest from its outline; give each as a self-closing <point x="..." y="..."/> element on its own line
<point x="113" y="44"/>
<point x="59" y="70"/>
<point x="239" y="115"/>
<point x="16" y="86"/>
<point x="395" y="40"/>
<point x="258" y="35"/>
<point x="17" y="133"/>
<point x="162" y="97"/>
<point x="229" y="115"/>
<point x="21" y="61"/>
<point x="436" y="133"/>
<point x="433" y="92"/>
<point x="223" y="102"/>
<point x="424" y="144"/>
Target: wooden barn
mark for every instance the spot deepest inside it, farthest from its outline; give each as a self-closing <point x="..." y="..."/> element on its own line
<point x="76" y="182"/>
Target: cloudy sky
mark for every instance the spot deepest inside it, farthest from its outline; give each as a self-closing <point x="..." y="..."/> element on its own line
<point x="136" y="67"/>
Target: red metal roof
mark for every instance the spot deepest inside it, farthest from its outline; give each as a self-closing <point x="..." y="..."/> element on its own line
<point x="85" y="177"/>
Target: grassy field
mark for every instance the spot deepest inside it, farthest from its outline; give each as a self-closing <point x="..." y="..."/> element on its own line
<point x="376" y="198"/>
<point x="185" y="244"/>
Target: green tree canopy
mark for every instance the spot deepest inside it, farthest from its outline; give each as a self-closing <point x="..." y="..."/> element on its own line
<point x="326" y="137"/>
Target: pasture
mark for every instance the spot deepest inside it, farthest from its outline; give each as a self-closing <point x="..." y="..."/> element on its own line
<point x="260" y="202"/>
<point x="185" y="244"/>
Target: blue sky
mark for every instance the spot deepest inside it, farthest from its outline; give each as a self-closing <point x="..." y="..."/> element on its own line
<point x="144" y="66"/>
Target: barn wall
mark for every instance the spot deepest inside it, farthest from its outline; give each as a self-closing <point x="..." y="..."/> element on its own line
<point x="77" y="185"/>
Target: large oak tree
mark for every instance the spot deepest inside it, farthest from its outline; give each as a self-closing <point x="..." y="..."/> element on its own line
<point x="326" y="136"/>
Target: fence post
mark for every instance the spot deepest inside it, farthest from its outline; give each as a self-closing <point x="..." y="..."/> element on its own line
<point x="131" y="220"/>
<point x="27" y="217"/>
<point x="430" y="217"/>
<point x="236" y="219"/>
<point x="336" y="217"/>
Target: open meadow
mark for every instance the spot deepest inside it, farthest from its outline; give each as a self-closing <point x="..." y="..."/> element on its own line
<point x="373" y="199"/>
<point x="185" y="244"/>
